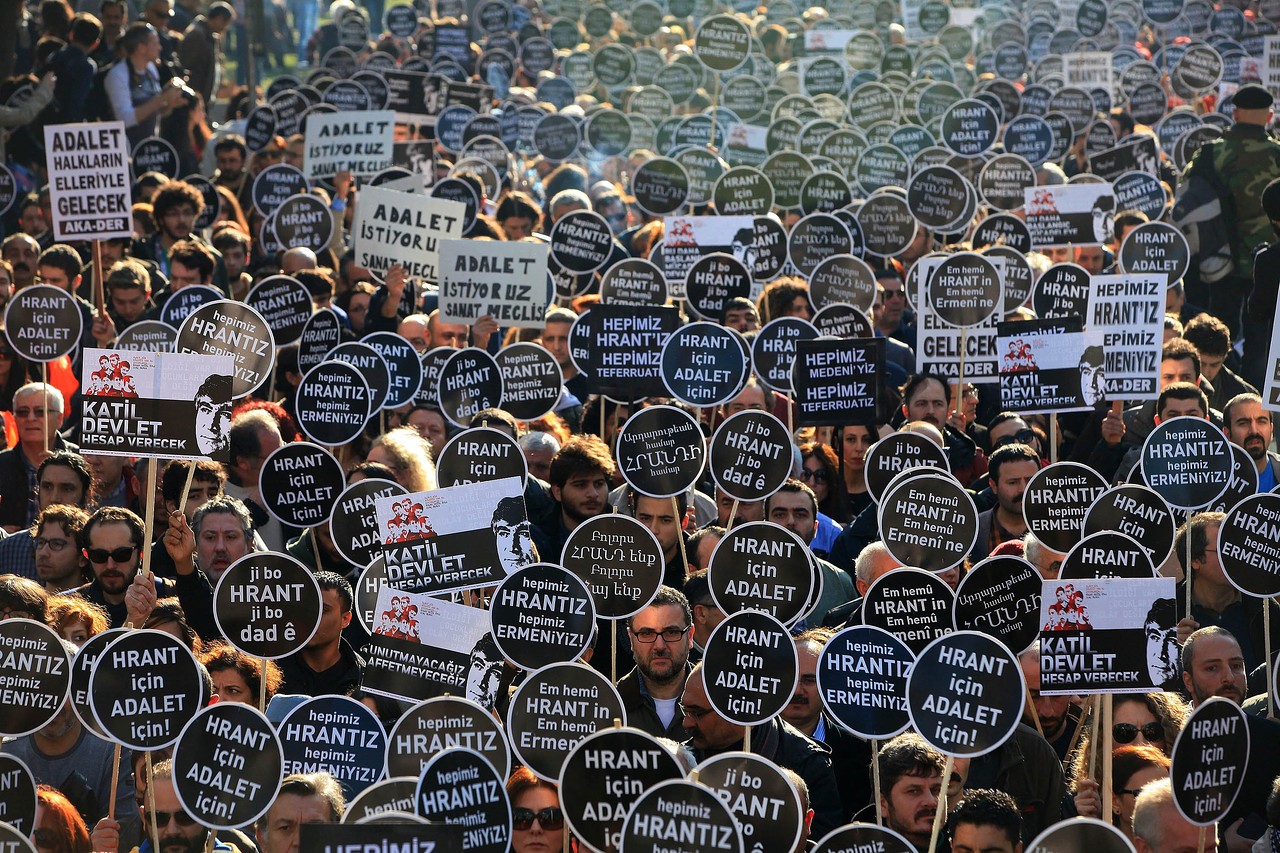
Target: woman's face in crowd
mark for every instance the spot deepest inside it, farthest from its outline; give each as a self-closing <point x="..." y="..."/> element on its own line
<point x="536" y="839"/>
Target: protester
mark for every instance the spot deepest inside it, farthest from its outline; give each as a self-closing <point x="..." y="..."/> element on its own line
<point x="661" y="638"/>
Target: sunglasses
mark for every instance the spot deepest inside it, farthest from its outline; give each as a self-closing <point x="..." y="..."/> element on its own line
<point x="98" y="556"/>
<point x="819" y="476"/>
<point x="183" y="819"/>
<point x="550" y="818"/>
<point x="1022" y="436"/>
<point x="1127" y="732"/>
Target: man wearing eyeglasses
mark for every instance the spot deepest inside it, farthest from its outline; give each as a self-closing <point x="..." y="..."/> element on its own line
<point x="661" y="638"/>
<point x="60" y="564"/>
<point x="113" y="540"/>
<point x="62" y="478"/>
<point x="37" y="409"/>
<point x="176" y="831"/>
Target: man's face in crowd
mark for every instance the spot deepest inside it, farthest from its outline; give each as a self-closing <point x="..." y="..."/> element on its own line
<point x="286" y="815"/>
<point x="659" y="515"/>
<point x="333" y="619"/>
<point x="37" y="416"/>
<point x="22" y="253"/>
<point x="178" y="221"/>
<point x="181" y="275"/>
<point x="707" y="729"/>
<point x="357" y="307"/>
<point x="1012" y="482"/>
<point x="58" y="560"/>
<point x="660" y="661"/>
<point x="794" y="511"/>
<point x="1177" y="370"/>
<point x="202" y="491"/>
<point x="1091" y="258"/>
<point x="752" y="397"/>
<point x="929" y="403"/>
<point x="220" y="543"/>
<point x="1211" y="365"/>
<point x="517" y="227"/>
<point x="911" y="805"/>
<point x="230" y="162"/>
<point x="584" y="495"/>
<point x="1250" y="427"/>
<point x="60" y="485"/>
<point x="539" y="462"/>
<point x="449" y="335"/>
<point x="1052" y="710"/>
<point x="31" y="220"/>
<point x="112" y="18"/>
<point x="185" y="836"/>
<point x="114" y="576"/>
<point x="128" y="302"/>
<point x="234" y="259"/>
<point x="742" y="319"/>
<point x="555" y="340"/>
<point x="982" y="838"/>
<point x="893" y="301"/>
<point x="1217" y="669"/>
<point x="56" y="277"/>
<point x="1176" y="835"/>
<point x="805" y="706"/>
<point x="413" y="331"/>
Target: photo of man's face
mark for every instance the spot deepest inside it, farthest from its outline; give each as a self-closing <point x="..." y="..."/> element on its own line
<point x="1092" y="382"/>
<point x="483" y="677"/>
<point x="1162" y="653"/>
<point x="515" y="544"/>
<point x="213" y="426"/>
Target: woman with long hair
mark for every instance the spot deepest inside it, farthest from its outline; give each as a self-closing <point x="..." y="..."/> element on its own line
<point x="59" y="827"/>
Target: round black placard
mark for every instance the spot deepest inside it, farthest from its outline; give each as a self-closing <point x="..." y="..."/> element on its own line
<point x="540" y="615"/>
<point x="970" y="127"/>
<point x="404" y="366"/>
<point x="146" y="687"/>
<point x="703" y="364"/>
<point x="1247" y="546"/>
<point x="369" y="362"/>
<point x="227" y="765"/>
<point x="863" y="836"/>
<point x="1137" y="511"/>
<point x="284" y="303"/>
<point x="531" y="380"/>
<point x="634" y="281"/>
<point x="14" y="841"/>
<point x="35" y="671"/>
<point x="337" y="734"/>
<point x="774" y="350"/>
<point x="1056" y="501"/>
<point x="1000" y="597"/>
<point x="154" y="154"/>
<point x="1156" y="247"/>
<point x="762" y="566"/>
<point x="749" y="668"/>
<point x="713" y="280"/>
<point x="17" y="795"/>
<point x="321" y="334"/>
<point x="227" y="327"/>
<point x="1083" y="833"/>
<point x="814" y="239"/>
<point x="299" y="482"/>
<point x="1188" y="461"/>
<point x="887" y="224"/>
<point x="148" y="336"/>
<point x="470" y="382"/>
<point x="1003" y="229"/>
<point x="759" y="794"/>
<point x="620" y="561"/>
<point x="353" y="524"/>
<point x="443" y="723"/>
<point x="965" y="694"/>
<point x="862" y="679"/>
<point x="842" y="279"/>
<point x="929" y="522"/>
<point x="556" y="707"/>
<point x="82" y="666"/>
<point x="267" y="605"/>
<point x="600" y="778"/>
<point x="722" y="43"/>
<point x="581" y="241"/>
<point x="480" y="455"/>
<point x="965" y="290"/>
<point x="42" y="322"/>
<point x="661" y="451"/>
<point x="660" y="186"/>
<point x="333" y="403"/>
<point x="743" y="190"/>
<point x="260" y="127"/>
<point x="751" y="455"/>
<point x="678" y="810"/>
<point x="938" y="197"/>
<point x="1208" y="761"/>
<point x="913" y="605"/>
<point x="276" y="183"/>
<point x="1063" y="291"/>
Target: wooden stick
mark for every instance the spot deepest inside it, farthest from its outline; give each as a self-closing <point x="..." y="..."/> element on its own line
<point x="150" y="523"/>
<point x="115" y="783"/>
<point x="1107" y="793"/>
<point x="1200" y="846"/>
<point x="684" y="558"/>
<point x="940" y="816"/>
<point x="262" y="688"/>
<point x="44" y="393"/>
<point x="733" y="511"/>
<point x="99" y="287"/>
<point x="1266" y="637"/>
<point x="211" y="841"/>
<point x="186" y="487"/>
<point x="613" y="657"/>
<point x="746" y="739"/>
<point x="151" y="800"/>
<point x="875" y="780"/>
<point x="1035" y="715"/>
<point x="1188" y="572"/>
<point x="1053" y="437"/>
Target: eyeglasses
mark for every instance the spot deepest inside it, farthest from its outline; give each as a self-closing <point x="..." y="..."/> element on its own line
<point x="1022" y="436"/>
<point x="183" y="819"/>
<point x="818" y="476"/>
<point x="694" y="713"/>
<point x="894" y="294"/>
<point x="37" y="412"/>
<point x="671" y="635"/>
<point x="51" y="544"/>
<point x="550" y="818"/>
<point x="1126" y="732"/>
<point x="98" y="556"/>
<point x="1133" y="792"/>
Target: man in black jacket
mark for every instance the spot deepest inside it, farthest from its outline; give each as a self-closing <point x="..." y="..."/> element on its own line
<point x="661" y="637"/>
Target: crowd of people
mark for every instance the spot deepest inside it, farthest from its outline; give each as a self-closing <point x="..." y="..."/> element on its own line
<point x="74" y="540"/>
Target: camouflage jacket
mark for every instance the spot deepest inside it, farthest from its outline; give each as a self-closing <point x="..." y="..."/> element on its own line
<point x="1246" y="159"/>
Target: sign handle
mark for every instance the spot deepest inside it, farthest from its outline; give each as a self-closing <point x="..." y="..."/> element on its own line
<point x="150" y="520"/>
<point x="680" y="519"/>
<point x="262" y="688"/>
<point x="940" y="816"/>
<point x="186" y="487"/>
<point x="733" y="511"/>
<point x="150" y="797"/>
<point x="44" y="381"/>
<point x="1266" y="637"/>
<point x="115" y="783"/>
<point x="1200" y="846"/>
<point x="746" y="739"/>
<point x="1053" y="440"/>
<point x="211" y="841"/>
<point x="1188" y="572"/>
<point x="1107" y="793"/>
<point x="613" y="657"/>
<point x="875" y="780"/>
<point x="1035" y="715"/>
<point x="99" y="286"/>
